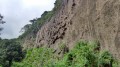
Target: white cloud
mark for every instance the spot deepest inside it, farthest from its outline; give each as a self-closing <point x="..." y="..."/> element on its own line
<point x="17" y="13"/>
<point x="31" y="3"/>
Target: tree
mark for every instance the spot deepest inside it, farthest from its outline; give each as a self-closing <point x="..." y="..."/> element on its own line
<point x="1" y="21"/>
<point x="33" y="21"/>
<point x="10" y="51"/>
<point x="26" y="27"/>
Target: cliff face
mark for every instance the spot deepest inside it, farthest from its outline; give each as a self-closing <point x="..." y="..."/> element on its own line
<point x="84" y="20"/>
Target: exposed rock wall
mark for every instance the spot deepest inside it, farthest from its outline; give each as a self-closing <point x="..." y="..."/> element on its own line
<point x="84" y="20"/>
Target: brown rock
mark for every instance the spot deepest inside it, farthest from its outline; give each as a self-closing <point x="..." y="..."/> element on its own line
<point x="86" y="20"/>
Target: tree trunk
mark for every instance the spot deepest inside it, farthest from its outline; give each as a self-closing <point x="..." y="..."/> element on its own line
<point x="10" y="63"/>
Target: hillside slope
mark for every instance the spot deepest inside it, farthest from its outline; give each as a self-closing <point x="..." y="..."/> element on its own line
<point x="97" y="20"/>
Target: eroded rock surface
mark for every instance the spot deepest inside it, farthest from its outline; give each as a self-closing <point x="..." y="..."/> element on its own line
<point x="86" y="20"/>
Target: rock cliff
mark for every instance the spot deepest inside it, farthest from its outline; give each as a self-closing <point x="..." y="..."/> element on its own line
<point x="84" y="20"/>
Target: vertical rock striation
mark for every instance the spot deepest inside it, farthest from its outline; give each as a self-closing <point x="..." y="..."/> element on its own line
<point x="84" y="20"/>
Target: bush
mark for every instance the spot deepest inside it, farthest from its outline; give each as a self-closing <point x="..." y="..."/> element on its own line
<point x="36" y="57"/>
<point x="84" y="54"/>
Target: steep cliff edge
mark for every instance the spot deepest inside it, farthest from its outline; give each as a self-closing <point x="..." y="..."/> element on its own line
<point x="84" y="20"/>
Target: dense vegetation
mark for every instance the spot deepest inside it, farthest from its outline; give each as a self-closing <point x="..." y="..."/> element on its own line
<point x="84" y="54"/>
<point x="10" y="51"/>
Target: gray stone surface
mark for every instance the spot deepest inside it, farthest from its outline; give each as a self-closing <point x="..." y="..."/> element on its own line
<point x="84" y="20"/>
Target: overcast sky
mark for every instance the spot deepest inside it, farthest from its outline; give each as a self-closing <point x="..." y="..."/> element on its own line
<point x="17" y="13"/>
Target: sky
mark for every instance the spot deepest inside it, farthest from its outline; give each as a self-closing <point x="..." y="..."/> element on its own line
<point x="17" y="13"/>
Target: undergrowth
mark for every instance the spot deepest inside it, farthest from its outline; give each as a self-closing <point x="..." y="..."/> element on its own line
<point x="84" y="54"/>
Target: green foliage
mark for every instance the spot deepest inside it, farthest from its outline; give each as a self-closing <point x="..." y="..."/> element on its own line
<point x="81" y="56"/>
<point x="36" y="57"/>
<point x="57" y="4"/>
<point x="10" y="51"/>
<point x="84" y="54"/>
<point x="39" y="22"/>
<point x="105" y="58"/>
<point x="26" y="27"/>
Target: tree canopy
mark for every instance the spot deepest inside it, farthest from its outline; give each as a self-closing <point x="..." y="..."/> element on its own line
<point x="10" y="51"/>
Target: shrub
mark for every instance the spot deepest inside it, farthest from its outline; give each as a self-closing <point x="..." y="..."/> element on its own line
<point x="84" y="54"/>
<point x="36" y="57"/>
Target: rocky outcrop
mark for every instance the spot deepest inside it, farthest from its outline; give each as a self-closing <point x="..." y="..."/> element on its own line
<point x="28" y="42"/>
<point x="84" y="20"/>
